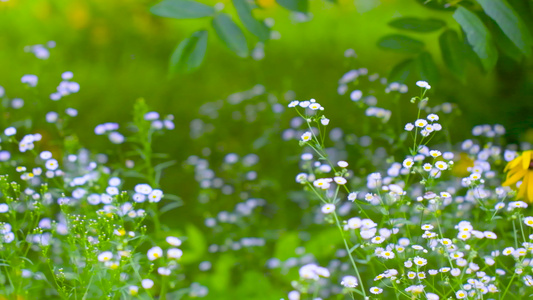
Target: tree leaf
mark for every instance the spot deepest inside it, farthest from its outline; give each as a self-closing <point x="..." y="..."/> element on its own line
<point x="189" y="54"/>
<point x="401" y="71"/>
<point x="417" y="24"/>
<point x="427" y="69"/>
<point x="257" y="27"/>
<point x="510" y="23"/>
<point x="400" y="43"/>
<point x="478" y="37"/>
<point x="452" y="50"/>
<point x="295" y="5"/>
<point x="182" y="9"/>
<point x="230" y="34"/>
<point x="505" y="45"/>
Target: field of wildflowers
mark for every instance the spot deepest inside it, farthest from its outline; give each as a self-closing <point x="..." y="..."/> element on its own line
<point x="384" y="188"/>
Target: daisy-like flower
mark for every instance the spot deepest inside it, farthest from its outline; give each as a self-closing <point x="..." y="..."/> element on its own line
<point x="441" y="165"/>
<point x="340" y="180"/>
<point x="475" y="176"/>
<point x="491" y="235"/>
<point x="342" y="164"/>
<point x="528" y="221"/>
<point x="369" y="197"/>
<point x="460" y="294"/>
<point x="314" y="106"/>
<point x="147" y="283"/>
<point x="174" y="253"/>
<point x="435" y="153"/>
<point x="427" y="227"/>
<point x="411" y="275"/>
<point x="105" y="256"/>
<point x="408" y="163"/>
<point x="173" y="241"/>
<point x="304" y="104"/>
<point x="445" y="195"/>
<point x="352" y="196"/>
<point x="163" y="271"/>
<point x="294" y="103"/>
<point x="387" y="254"/>
<point x="322" y="183"/>
<point x="521" y="169"/>
<point x="508" y="251"/>
<point x="421" y="123"/>
<point x="427" y="167"/>
<point x="328" y="208"/>
<point x="423" y="84"/>
<point x="409" y="127"/>
<point x="133" y="290"/>
<point x="307" y="136"/>
<point x="155" y="253"/>
<point x="464" y="235"/>
<point x="432" y="296"/>
<point x="375" y="290"/>
<point x="433" y="117"/>
<point x="419" y="261"/>
<point x="349" y="281"/>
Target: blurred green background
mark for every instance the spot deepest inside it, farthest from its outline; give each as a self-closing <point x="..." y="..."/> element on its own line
<point x="119" y="52"/>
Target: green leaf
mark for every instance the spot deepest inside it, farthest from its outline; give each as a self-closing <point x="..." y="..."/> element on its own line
<point x="295" y="5"/>
<point x="189" y="54"/>
<point x="478" y="37"/>
<point x="401" y="71"/>
<point x="506" y="46"/>
<point x="182" y="9"/>
<point x="230" y="34"/>
<point x="427" y="69"/>
<point x="510" y="23"/>
<point x="452" y="49"/>
<point x="165" y="165"/>
<point x="353" y="248"/>
<point x="257" y="27"/>
<point x="400" y="43"/>
<point x="417" y="24"/>
<point x="170" y="206"/>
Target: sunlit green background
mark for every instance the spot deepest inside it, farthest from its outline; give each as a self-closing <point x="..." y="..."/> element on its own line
<point x="119" y="52"/>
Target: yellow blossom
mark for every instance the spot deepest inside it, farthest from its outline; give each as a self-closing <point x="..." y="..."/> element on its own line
<point x="521" y="168"/>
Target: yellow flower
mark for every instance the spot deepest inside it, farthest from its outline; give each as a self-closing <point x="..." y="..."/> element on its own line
<point x="521" y="168"/>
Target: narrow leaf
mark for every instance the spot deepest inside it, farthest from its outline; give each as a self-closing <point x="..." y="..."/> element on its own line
<point x="510" y="23"/>
<point x="230" y="34"/>
<point x="452" y="49"/>
<point x="417" y="24"/>
<point x="257" y="27"/>
<point x="295" y="5"/>
<point x="400" y="43"/>
<point x="189" y="54"/>
<point x="478" y="37"/>
<point x="182" y="9"/>
<point x="353" y="248"/>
